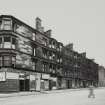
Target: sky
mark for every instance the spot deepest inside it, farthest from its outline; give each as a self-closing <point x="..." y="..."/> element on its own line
<point x="81" y="22"/>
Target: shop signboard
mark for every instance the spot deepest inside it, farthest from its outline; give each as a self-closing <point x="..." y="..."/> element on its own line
<point x="11" y="75"/>
<point x="2" y="76"/>
<point x="45" y="76"/>
<point x="53" y="79"/>
<point x="21" y="76"/>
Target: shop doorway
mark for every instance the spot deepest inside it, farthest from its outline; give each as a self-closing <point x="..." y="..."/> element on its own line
<point x="21" y="85"/>
<point x="27" y="85"/>
<point x="50" y="85"/>
<point x="69" y="84"/>
<point x="24" y="85"/>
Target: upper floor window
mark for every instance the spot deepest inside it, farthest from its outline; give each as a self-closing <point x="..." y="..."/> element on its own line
<point x="0" y="61"/>
<point x="53" y="44"/>
<point x="60" y="48"/>
<point x="34" y="51"/>
<point x="7" y="61"/>
<point x="44" y="67"/>
<point x="0" y="42"/>
<point x="34" y="64"/>
<point x="44" y="41"/>
<point x="7" y="42"/>
<point x="13" y="43"/>
<point x="13" y="61"/>
<point x="6" y="24"/>
<point x="34" y="37"/>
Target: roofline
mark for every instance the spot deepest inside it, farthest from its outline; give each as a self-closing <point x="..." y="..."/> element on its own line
<point x="10" y="16"/>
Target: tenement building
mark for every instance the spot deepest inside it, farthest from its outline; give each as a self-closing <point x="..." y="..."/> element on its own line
<point x="31" y="60"/>
<point x="78" y="70"/>
<point x="101" y="75"/>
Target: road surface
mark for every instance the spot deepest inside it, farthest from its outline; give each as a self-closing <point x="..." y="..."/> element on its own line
<point x="65" y="98"/>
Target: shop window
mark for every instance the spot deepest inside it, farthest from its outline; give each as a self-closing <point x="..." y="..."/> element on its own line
<point x="7" y="42"/>
<point x="53" y="83"/>
<point x="6" y="24"/>
<point x="7" y="61"/>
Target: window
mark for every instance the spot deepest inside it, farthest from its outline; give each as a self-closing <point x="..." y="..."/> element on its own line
<point x="60" y="48"/>
<point x="44" y="67"/>
<point x="13" y="61"/>
<point x="7" y="42"/>
<point x="0" y="61"/>
<point x="53" y="56"/>
<point x="33" y="65"/>
<point x="45" y="41"/>
<point x="34" y="51"/>
<point x="6" y="24"/>
<point x="7" y="39"/>
<point x="13" y="43"/>
<point x="33" y="37"/>
<point x="50" y="45"/>
<point x="7" y="61"/>
<point x="44" y="53"/>
<point x="50" y="67"/>
<point x="54" y="69"/>
<point x="0" y="42"/>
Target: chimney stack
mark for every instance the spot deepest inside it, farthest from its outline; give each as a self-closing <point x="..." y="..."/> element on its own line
<point x="39" y="25"/>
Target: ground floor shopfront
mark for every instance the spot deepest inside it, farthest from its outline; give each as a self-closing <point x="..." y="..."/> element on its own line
<point x="68" y="83"/>
<point x="48" y="82"/>
<point x="12" y="80"/>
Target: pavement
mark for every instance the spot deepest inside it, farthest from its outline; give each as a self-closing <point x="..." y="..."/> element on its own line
<point x="56" y="97"/>
<point x="6" y="95"/>
<point x="15" y="94"/>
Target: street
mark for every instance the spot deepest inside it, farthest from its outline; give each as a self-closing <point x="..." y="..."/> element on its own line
<point x="63" y="98"/>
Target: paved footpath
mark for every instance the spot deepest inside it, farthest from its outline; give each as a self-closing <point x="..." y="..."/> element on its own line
<point x="6" y="95"/>
<point x="59" y="97"/>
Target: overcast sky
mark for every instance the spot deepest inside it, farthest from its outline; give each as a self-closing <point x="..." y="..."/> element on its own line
<point x="81" y="22"/>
